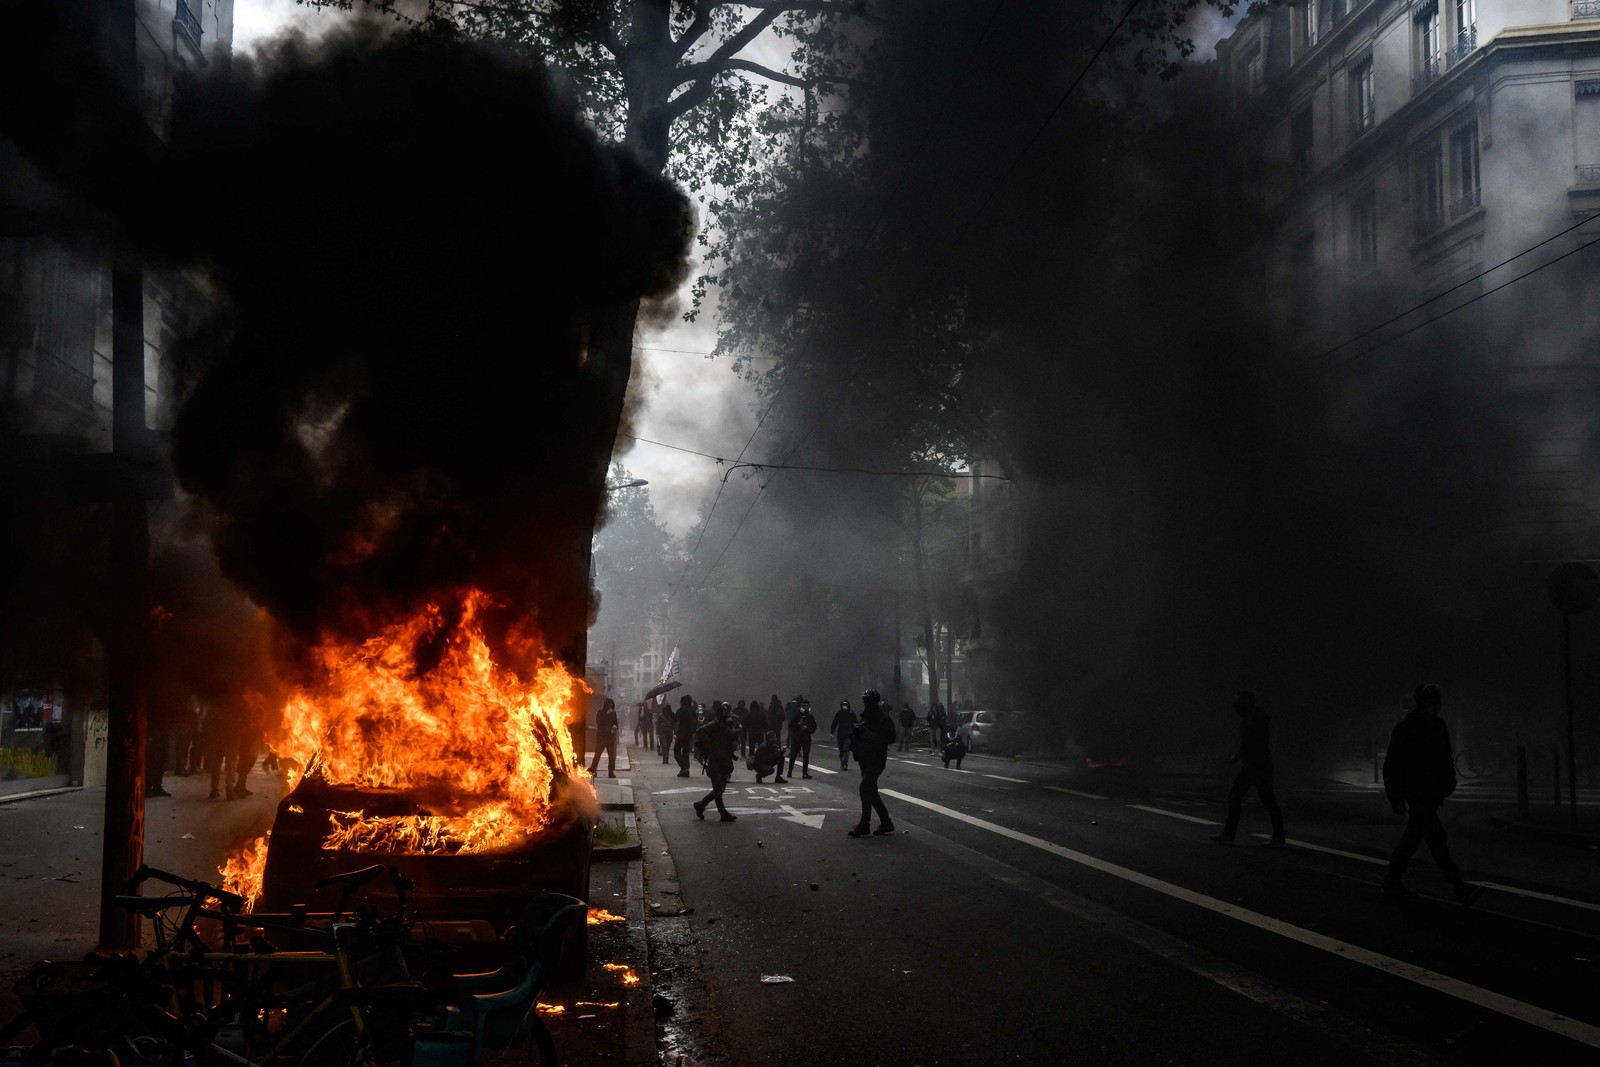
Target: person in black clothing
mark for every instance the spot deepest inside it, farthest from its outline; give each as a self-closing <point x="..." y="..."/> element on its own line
<point x="1255" y="770"/>
<point x="800" y="731"/>
<point x="713" y="746"/>
<point x="936" y="728"/>
<point x="768" y="759"/>
<point x="687" y="722"/>
<point x="908" y="720"/>
<point x="738" y="720"/>
<point x="666" y="721"/>
<point x="775" y="717"/>
<point x="954" y="750"/>
<point x="842" y="728"/>
<point x="1419" y="771"/>
<point x="870" y="742"/>
<point x="644" y="726"/>
<point x="605" y="739"/>
<point x="755" y="729"/>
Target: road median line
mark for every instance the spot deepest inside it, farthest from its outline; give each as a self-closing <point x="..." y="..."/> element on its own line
<point x="1498" y="1003"/>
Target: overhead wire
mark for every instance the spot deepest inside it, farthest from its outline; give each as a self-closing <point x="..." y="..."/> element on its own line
<point x="988" y="202"/>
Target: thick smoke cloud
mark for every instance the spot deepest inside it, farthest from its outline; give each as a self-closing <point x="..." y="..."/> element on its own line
<point x="409" y="238"/>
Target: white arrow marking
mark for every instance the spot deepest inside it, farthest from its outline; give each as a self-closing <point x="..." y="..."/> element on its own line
<point x="813" y="821"/>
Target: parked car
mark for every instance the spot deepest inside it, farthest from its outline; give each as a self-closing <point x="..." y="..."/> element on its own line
<point x="976" y="729"/>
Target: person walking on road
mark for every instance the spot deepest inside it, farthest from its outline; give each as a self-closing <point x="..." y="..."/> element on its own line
<point x="908" y="720"/>
<point x="688" y="721"/>
<point x="800" y="731"/>
<point x="936" y="725"/>
<point x="842" y="727"/>
<point x="755" y="729"/>
<point x="870" y="741"/>
<point x="666" y="722"/>
<point x="1419" y="771"/>
<point x="739" y="720"/>
<point x="775" y="717"/>
<point x="1255" y="771"/>
<point x="605" y="739"/>
<point x="713" y="745"/>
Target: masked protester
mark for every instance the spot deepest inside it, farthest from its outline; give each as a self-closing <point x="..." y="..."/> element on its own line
<point x="1255" y="771"/>
<point x="713" y="746"/>
<point x="870" y="744"/>
<point x="842" y="728"/>
<point x="688" y="721"/>
<point x="605" y="739"/>
<point x="768" y="759"/>
<point x="666" y="722"/>
<point x="908" y="721"/>
<point x="1419" y="771"/>
<point x="800" y="731"/>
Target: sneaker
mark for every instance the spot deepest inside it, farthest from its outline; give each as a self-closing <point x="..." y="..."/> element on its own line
<point x="779" y="780"/>
<point x="1467" y="894"/>
<point x="805" y="776"/>
<point x="699" y="810"/>
<point x="726" y="817"/>
<point x="611" y="774"/>
<point x="683" y="774"/>
<point x="1276" y="842"/>
<point x="1222" y="839"/>
<point x="241" y="791"/>
<point x="859" y="831"/>
<point x="883" y="828"/>
<point x="157" y="792"/>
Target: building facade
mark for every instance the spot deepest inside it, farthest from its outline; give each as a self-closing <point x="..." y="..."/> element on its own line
<point x="1438" y="151"/>
<point x="56" y="330"/>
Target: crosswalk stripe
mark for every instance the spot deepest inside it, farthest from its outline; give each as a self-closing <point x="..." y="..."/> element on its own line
<point x="1176" y="815"/>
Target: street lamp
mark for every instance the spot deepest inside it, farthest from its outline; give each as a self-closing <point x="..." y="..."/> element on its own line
<point x="636" y="483"/>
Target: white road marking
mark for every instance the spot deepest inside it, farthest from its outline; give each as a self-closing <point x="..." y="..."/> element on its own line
<point x="1003" y="778"/>
<point x="683" y="789"/>
<point x="1531" y="1014"/>
<point x="824" y="770"/>
<point x="1496" y="886"/>
<point x="1075" y="792"/>
<point x="795" y="815"/>
<point x="1176" y="815"/>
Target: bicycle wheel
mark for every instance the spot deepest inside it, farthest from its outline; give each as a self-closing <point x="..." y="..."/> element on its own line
<point x="337" y="1046"/>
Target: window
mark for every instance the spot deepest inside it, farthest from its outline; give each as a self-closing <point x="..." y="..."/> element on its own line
<point x="1465" y="192"/>
<point x="1252" y="72"/>
<point x="1364" y="228"/>
<point x="1308" y="25"/>
<point x="1300" y="144"/>
<point x="1363" y="112"/>
<point x="1465" y="17"/>
<point x="1430" y="189"/>
<point x="1425" y="17"/>
<point x="1586" y="129"/>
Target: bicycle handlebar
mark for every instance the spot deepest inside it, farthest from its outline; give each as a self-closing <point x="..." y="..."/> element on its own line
<point x="229" y="900"/>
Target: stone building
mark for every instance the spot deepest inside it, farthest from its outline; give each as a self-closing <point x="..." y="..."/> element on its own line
<point x="1436" y="151"/>
<point x="56" y="369"/>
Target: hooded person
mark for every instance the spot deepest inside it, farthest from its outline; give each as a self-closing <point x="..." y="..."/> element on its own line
<point x="684" y="726"/>
<point x="666" y="722"/>
<point x="1254" y="757"/>
<point x="870" y="744"/>
<point x="1419" y="771"/>
<point x="800" y="731"/>
<point x="843" y="725"/>
<point x="713" y="746"/>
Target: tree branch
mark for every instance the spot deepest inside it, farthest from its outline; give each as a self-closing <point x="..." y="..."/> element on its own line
<point x="787" y="79"/>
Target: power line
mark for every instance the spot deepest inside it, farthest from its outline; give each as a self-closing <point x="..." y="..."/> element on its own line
<point x="1472" y="300"/>
<point x="1439" y="296"/>
<point x="863" y="470"/>
<point x="675" y="448"/>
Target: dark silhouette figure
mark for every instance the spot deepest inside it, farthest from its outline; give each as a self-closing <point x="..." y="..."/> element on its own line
<point x="775" y="716"/>
<point x="688" y="721"/>
<point x="755" y="730"/>
<point x="605" y="739"/>
<point x="1255" y="770"/>
<point x="954" y="750"/>
<point x="842" y="728"/>
<point x="1419" y="771"/>
<point x="870" y="742"/>
<point x="936" y="728"/>
<point x="644" y="726"/>
<point x="800" y="731"/>
<point x="713" y="746"/>
<point x="768" y="759"/>
<point x="740" y="721"/>
<point x="666" y="722"/>
<point x="908" y="722"/>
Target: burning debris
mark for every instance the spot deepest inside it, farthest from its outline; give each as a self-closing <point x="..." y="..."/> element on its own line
<point x="599" y="916"/>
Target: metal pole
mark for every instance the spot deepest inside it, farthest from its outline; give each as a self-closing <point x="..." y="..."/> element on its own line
<point x="1572" y="745"/>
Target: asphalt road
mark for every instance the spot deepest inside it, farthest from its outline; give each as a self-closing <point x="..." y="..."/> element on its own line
<point x="1038" y="915"/>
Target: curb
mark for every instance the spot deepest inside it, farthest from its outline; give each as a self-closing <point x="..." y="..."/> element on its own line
<point x="629" y="850"/>
<point x="9" y="798"/>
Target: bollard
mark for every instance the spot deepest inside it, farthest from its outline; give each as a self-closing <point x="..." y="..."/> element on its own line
<point x="1522" y="781"/>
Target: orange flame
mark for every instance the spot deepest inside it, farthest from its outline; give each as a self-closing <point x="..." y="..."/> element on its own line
<point x="242" y="871"/>
<point x="480" y="743"/>
<point x="629" y="976"/>
<point x="599" y="916"/>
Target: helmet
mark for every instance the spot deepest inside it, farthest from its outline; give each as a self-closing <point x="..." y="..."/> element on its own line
<point x="1428" y="694"/>
<point x="844" y="705"/>
<point x="870" y="697"/>
<point x="721" y="711"/>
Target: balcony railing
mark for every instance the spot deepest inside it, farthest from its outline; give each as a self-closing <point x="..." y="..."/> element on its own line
<point x="1586" y="9"/>
<point x="1431" y="68"/>
<point x="1466" y="203"/>
<point x="1466" y="44"/>
<point x="1589" y="172"/>
<point x="187" y="27"/>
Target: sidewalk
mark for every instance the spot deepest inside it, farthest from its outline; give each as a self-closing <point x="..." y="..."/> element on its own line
<point x="50" y="849"/>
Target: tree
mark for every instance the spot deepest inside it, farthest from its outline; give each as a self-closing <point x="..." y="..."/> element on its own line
<point x="635" y="560"/>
